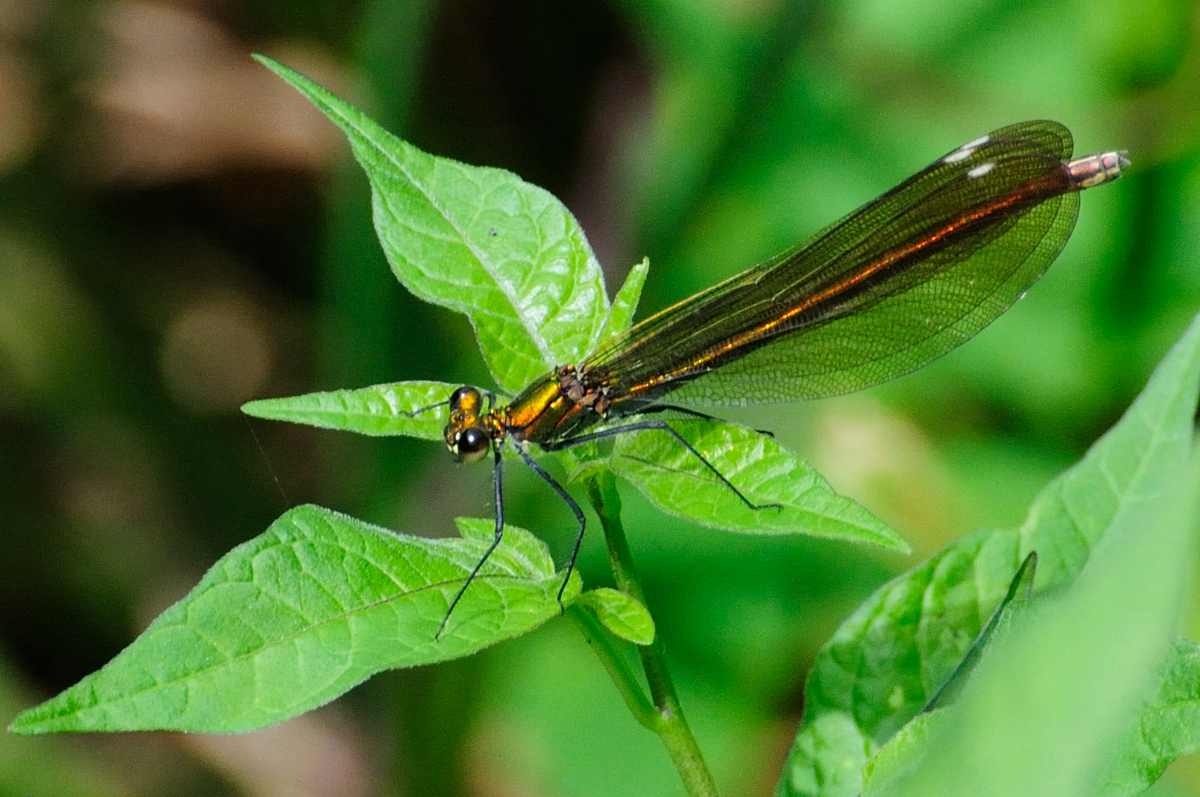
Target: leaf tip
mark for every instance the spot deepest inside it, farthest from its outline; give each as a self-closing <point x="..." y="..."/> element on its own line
<point x="261" y="408"/>
<point x="31" y="722"/>
<point x="273" y="65"/>
<point x="620" y="613"/>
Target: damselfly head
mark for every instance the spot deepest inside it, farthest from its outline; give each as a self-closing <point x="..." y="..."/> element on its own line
<point x="465" y="436"/>
<point x="469" y="445"/>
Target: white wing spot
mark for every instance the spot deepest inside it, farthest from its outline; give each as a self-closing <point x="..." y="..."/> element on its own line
<point x="966" y="150"/>
<point x="981" y="170"/>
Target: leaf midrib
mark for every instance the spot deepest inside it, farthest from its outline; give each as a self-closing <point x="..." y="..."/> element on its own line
<point x="279" y="641"/>
<point x="539" y="343"/>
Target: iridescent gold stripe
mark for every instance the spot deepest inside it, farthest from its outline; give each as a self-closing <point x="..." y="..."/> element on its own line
<point x="863" y="275"/>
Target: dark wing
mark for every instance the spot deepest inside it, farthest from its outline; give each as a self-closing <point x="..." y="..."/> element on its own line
<point x="897" y="283"/>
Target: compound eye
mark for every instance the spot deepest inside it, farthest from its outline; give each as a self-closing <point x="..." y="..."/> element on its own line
<point x="472" y="444"/>
<point x="465" y="397"/>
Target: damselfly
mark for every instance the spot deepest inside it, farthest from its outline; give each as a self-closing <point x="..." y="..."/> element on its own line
<point x="895" y="284"/>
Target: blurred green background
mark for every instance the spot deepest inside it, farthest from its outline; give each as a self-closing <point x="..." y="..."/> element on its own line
<point x="179" y="233"/>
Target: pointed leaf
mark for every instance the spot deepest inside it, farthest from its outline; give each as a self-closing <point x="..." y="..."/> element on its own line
<point x="1020" y="589"/>
<point x="1062" y="682"/>
<point x="620" y="613"/>
<point x="902" y="753"/>
<point x="376" y="410"/>
<point x="479" y="241"/>
<point x="295" y="617"/>
<point x="764" y="471"/>
<point x="626" y="301"/>
<point x="1166" y="727"/>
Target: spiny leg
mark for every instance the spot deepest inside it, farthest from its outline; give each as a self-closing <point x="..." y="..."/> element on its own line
<point x="422" y="410"/>
<point x="645" y="426"/>
<point x="498" y="482"/>
<point x="491" y="397"/>
<point x="565" y="496"/>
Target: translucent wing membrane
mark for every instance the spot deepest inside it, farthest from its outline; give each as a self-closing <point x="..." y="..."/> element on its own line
<point x="897" y="283"/>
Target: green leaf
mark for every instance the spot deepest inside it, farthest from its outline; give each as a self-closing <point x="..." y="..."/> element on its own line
<point x="1167" y="726"/>
<point x="836" y="750"/>
<point x="295" y="617"/>
<point x="480" y="241"/>
<point x="621" y="614"/>
<point x="525" y="550"/>
<point x="883" y="664"/>
<point x="52" y="767"/>
<point x="764" y="471"/>
<point x="626" y="301"/>
<point x="377" y="410"/>
<point x="1020" y="589"/>
<point x="1060" y="686"/>
<point x="902" y="752"/>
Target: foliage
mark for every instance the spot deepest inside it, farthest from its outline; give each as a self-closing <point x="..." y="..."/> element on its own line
<point x="707" y="136"/>
<point x="295" y="617"/>
<point x="321" y="601"/>
<point x="1122" y="505"/>
<point x="310" y="652"/>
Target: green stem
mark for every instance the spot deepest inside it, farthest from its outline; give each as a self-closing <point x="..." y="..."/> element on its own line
<point x="667" y="718"/>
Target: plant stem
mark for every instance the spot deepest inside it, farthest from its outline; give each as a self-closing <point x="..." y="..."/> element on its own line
<point x="667" y="719"/>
